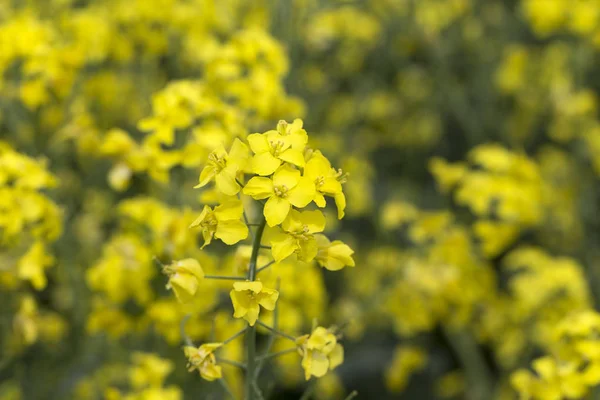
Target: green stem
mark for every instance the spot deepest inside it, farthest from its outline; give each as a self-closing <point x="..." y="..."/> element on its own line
<point x="265" y="266"/>
<point x="277" y="332"/>
<point x="238" y="334"/>
<point x="279" y="353"/>
<point x="251" y="331"/>
<point x="231" y="362"/>
<point x="228" y="278"/>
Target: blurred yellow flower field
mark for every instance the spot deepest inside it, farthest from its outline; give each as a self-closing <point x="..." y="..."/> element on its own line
<point x="302" y="199"/>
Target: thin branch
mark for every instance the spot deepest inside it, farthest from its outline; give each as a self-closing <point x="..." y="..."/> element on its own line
<point x="226" y="388"/>
<point x="257" y="391"/>
<point x="227" y="278"/>
<point x="271" y="341"/>
<point x="184" y="336"/>
<point x="309" y="390"/>
<point x="275" y="331"/>
<point x="265" y="266"/>
<point x="277" y="354"/>
<point x="265" y="247"/>
<point x="231" y="362"/>
<point x="352" y="395"/>
<point x="235" y="336"/>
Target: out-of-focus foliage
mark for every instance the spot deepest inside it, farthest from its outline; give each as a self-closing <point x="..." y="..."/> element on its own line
<point x="468" y="140"/>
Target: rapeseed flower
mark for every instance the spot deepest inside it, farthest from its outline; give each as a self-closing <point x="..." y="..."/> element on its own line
<point x="297" y="236"/>
<point x="320" y="352"/>
<point x="248" y="297"/>
<point x="222" y="222"/>
<point x="203" y="359"/>
<point x="184" y="277"/>
<point x="285" y="189"/>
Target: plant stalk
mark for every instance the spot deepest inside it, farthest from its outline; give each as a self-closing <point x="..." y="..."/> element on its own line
<point x="251" y="331"/>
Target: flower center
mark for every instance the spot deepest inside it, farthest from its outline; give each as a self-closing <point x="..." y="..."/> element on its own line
<point x="303" y="234"/>
<point x="277" y="147"/>
<point x="281" y="191"/>
<point x="218" y="162"/>
<point x="320" y="181"/>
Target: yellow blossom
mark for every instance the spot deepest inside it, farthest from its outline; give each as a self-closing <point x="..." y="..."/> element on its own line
<point x="333" y="255"/>
<point x="222" y="167"/>
<point x="287" y="188"/>
<point x="320" y="352"/>
<point x="297" y="235"/>
<point x="184" y="277"/>
<point x="248" y="297"/>
<point x="319" y="170"/>
<point x="204" y="360"/>
<point x="273" y="148"/>
<point x="223" y="222"/>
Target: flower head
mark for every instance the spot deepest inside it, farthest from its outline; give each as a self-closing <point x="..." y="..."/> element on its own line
<point x="248" y="297"/>
<point x="222" y="167"/>
<point x="333" y="255"/>
<point x="320" y="352"/>
<point x="223" y="222"/>
<point x="287" y="188"/>
<point x="273" y="148"/>
<point x="297" y="235"/>
<point x="319" y="170"/>
<point x="204" y="360"/>
<point x="184" y="278"/>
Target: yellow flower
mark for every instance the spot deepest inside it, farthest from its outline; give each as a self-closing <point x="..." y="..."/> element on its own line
<point x="247" y="297"/>
<point x="287" y="188"/>
<point x="32" y="265"/>
<point x="297" y="235"/>
<point x="293" y="133"/>
<point x="333" y="255"/>
<point x="184" y="276"/>
<point x="320" y="352"/>
<point x="223" y="222"/>
<point x="319" y="170"/>
<point x="204" y="360"/>
<point x="223" y="168"/>
<point x="271" y="149"/>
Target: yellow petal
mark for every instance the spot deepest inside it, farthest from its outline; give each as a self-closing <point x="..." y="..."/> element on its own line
<point x="231" y="232"/>
<point x="191" y="266"/>
<point x="276" y="210"/>
<point x="265" y="164"/>
<point x="231" y="210"/>
<point x="336" y="357"/>
<point x="225" y="181"/>
<point x="282" y="246"/>
<point x="314" y="220"/>
<point x="268" y="298"/>
<point x="293" y="157"/>
<point x="308" y="250"/>
<point x="185" y="286"/>
<point x="319" y="364"/>
<point x="286" y="176"/>
<point x="252" y="314"/>
<point x="259" y="143"/>
<point x="303" y="193"/>
<point x="340" y="202"/>
<point x="207" y="174"/>
<point x="259" y="188"/>
<point x="211" y="372"/>
<point x="254" y="286"/>
<point x="238" y="154"/>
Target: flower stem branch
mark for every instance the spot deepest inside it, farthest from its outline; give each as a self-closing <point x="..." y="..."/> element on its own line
<point x="265" y="266"/>
<point x="228" y="278"/>
<point x="251" y="330"/>
<point x="235" y="336"/>
<point x="275" y="331"/>
<point x="231" y="362"/>
<point x="277" y="354"/>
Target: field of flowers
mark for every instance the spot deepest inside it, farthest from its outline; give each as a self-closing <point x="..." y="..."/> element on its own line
<point x="299" y="199"/>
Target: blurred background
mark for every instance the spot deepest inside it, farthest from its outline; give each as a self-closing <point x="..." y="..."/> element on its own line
<point x="468" y="129"/>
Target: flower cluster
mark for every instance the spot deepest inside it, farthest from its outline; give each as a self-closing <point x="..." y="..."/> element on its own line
<point x="287" y="178"/>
